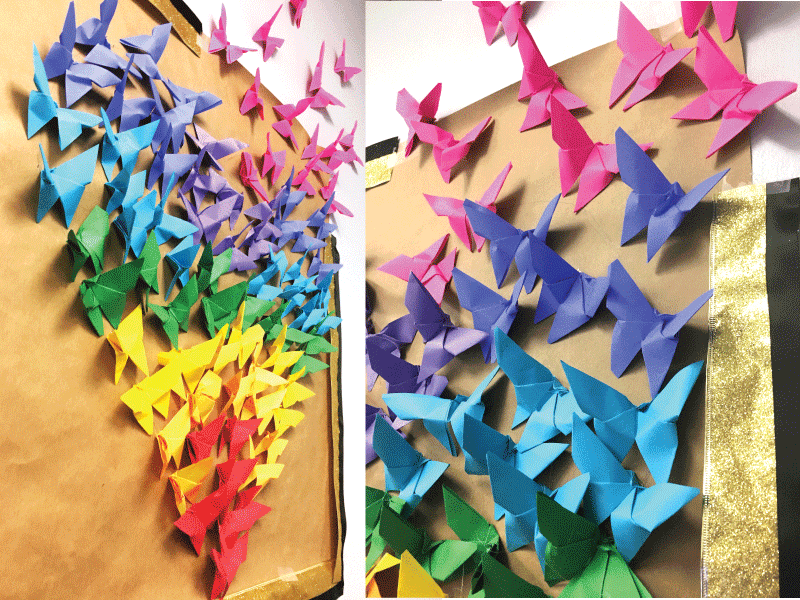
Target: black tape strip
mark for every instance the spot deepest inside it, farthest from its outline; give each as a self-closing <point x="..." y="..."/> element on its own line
<point x="188" y="14"/>
<point x="382" y="148"/>
<point x="783" y="297"/>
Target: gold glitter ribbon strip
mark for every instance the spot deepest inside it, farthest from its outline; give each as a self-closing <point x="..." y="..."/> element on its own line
<point x="740" y="527"/>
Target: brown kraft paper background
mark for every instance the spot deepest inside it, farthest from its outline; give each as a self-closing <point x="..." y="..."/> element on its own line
<point x="86" y="514"/>
<point x="400" y="221"/>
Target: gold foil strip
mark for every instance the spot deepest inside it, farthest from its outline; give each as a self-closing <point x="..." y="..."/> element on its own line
<point x="740" y="526"/>
<point x="181" y="26"/>
<point x="379" y="170"/>
<point x="306" y="584"/>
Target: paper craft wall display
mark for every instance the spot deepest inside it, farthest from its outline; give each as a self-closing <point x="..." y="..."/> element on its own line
<point x="406" y="470"/>
<point x="641" y="327"/>
<point x="447" y="150"/>
<point x="729" y="91"/>
<point x="262" y="35"/>
<point x="492" y="14"/>
<point x="541" y="399"/>
<point x="416" y="112"/>
<point x="615" y="492"/>
<point x="645" y="62"/>
<point x="618" y="422"/>
<point x="490" y="311"/>
<point x="219" y="40"/>
<point x="434" y="276"/>
<point x="724" y="13"/>
<point x="65" y="183"/>
<point x="42" y="109"/>
<point x="577" y="550"/>
<point x="507" y="243"/>
<point x="453" y="209"/>
<point x="78" y="77"/>
<point x="443" y="340"/>
<point x="516" y="493"/>
<point x="345" y="72"/>
<point x="654" y="202"/>
<point x="89" y="242"/>
<point x="578" y="156"/>
<point x="540" y="83"/>
<point x="436" y="413"/>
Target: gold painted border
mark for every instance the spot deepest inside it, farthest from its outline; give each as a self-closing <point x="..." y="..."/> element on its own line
<point x="739" y="554"/>
<point x="181" y="26"/>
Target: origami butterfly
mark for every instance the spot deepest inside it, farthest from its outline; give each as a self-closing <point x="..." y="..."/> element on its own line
<point x="443" y="340"/>
<point x="297" y="10"/>
<point x="507" y="243"/>
<point x="289" y="112"/>
<point x="124" y="146"/>
<point x="492" y="14"/>
<point x="635" y="511"/>
<point x="401" y="376"/>
<point x="42" y="109"/>
<point x="65" y="183"/>
<point x="181" y="258"/>
<point x="414" y="112"/>
<point x="105" y="293"/>
<point x="541" y="399"/>
<point x="147" y="49"/>
<point x="641" y="327"/>
<point x="490" y="311"/>
<point x="729" y="91"/>
<point x="374" y="413"/>
<point x="516" y="494"/>
<point x="724" y="13"/>
<point x="397" y="333"/>
<point x="271" y="44"/>
<point x="93" y="31"/>
<point x="78" y="77"/>
<point x="89" y="242"/>
<point x="577" y="550"/>
<point x="251" y="99"/>
<point x="175" y="315"/>
<point x="436" y="413"/>
<point x="345" y="72"/>
<point x="644" y="62"/>
<point x="453" y="209"/>
<point x="213" y="149"/>
<point x="540" y="83"/>
<point x="447" y="150"/>
<point x="434" y="276"/>
<point x="219" y="40"/>
<point x="654" y="202"/>
<point x="618" y="423"/>
<point x="482" y="442"/>
<point x="440" y="558"/>
<point x="405" y="469"/>
<point x="571" y="295"/>
<point x="273" y="160"/>
<point x="321" y="98"/>
<point x="594" y="162"/>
